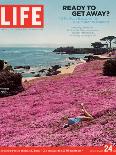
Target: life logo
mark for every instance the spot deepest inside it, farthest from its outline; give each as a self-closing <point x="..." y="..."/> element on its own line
<point x="21" y="16"/>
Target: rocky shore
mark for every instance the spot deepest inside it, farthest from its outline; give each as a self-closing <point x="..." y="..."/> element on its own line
<point x="72" y="50"/>
<point x="11" y="78"/>
<point x="68" y="69"/>
<point x="36" y="72"/>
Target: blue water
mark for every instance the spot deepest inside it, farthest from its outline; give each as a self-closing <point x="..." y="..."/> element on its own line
<point x="35" y="57"/>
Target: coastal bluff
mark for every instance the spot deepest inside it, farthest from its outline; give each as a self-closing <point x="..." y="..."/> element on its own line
<point x="72" y="50"/>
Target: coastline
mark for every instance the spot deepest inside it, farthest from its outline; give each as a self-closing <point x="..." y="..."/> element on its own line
<point x="63" y="70"/>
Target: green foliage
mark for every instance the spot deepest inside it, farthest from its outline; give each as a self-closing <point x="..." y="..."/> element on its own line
<point x="97" y="45"/>
<point x="1" y="64"/>
<point x="109" y="68"/>
<point x="10" y="83"/>
<point x="108" y="39"/>
<point x="8" y="68"/>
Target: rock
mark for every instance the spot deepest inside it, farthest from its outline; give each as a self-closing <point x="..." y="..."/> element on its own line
<point x="55" y="67"/>
<point x="67" y="65"/>
<point x="26" y="67"/>
<point x="73" y="58"/>
<point x="49" y="70"/>
<point x="56" y="72"/>
<point x="32" y="72"/>
<point x="20" y="67"/>
<point x="49" y="74"/>
<point x="42" y="70"/>
<point x="53" y="70"/>
<point x="53" y="73"/>
<point x="38" y="75"/>
<point x="91" y="58"/>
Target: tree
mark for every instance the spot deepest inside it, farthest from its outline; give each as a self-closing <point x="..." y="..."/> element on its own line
<point x="109" y="39"/>
<point x="97" y="45"/>
<point x="114" y="42"/>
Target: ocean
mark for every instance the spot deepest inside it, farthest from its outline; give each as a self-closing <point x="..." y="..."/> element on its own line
<point x="36" y="57"/>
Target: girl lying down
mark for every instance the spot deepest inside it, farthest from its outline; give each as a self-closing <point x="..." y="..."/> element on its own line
<point x="86" y="117"/>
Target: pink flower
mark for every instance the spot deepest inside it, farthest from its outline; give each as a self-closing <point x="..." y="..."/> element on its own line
<point x="34" y="117"/>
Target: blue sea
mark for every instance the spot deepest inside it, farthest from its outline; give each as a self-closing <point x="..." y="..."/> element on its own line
<point x="36" y="57"/>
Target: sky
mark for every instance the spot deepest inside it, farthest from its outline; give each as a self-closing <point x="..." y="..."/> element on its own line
<point x="56" y="31"/>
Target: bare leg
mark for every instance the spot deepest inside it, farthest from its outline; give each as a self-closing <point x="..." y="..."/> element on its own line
<point x="85" y="118"/>
<point x="87" y="114"/>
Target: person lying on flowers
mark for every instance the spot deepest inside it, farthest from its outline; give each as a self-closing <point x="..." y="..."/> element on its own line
<point x="86" y="117"/>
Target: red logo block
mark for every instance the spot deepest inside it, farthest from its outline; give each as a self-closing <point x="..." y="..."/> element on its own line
<point x="21" y="16"/>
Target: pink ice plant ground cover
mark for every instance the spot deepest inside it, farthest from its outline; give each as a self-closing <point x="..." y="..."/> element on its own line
<point x="34" y="117"/>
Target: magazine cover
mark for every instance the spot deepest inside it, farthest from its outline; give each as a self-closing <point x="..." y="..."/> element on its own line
<point x="57" y="76"/>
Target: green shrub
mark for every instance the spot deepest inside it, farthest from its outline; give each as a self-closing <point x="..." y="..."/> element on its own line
<point x="109" y="68"/>
<point x="10" y="83"/>
<point x="1" y="64"/>
<point x="8" y="68"/>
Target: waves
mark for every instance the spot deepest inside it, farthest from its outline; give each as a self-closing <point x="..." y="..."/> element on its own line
<point x="37" y="58"/>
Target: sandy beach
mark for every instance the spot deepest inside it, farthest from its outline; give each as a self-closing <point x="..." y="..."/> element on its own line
<point x="26" y="79"/>
<point x="67" y="70"/>
<point x="63" y="70"/>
